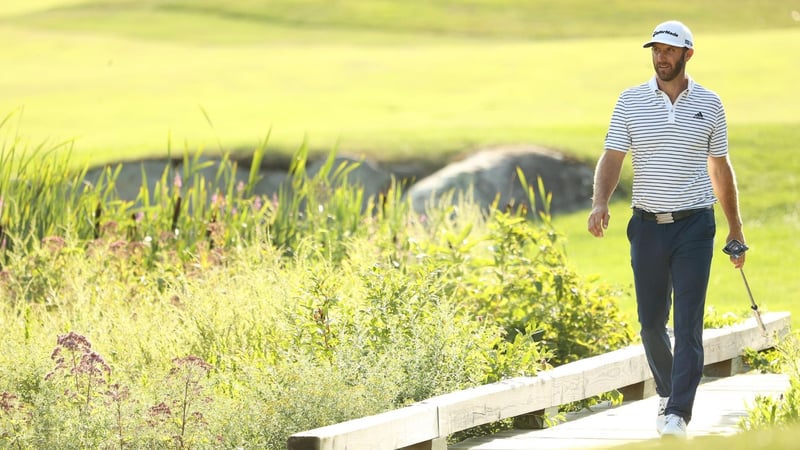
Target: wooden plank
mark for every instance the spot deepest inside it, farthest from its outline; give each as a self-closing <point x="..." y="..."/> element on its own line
<point x="728" y="343"/>
<point x="492" y="402"/>
<point x="391" y="430"/>
<point x="638" y="391"/>
<point x="564" y="384"/>
<point x="603" y="373"/>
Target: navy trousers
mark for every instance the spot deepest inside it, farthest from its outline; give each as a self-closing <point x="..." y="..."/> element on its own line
<point x="671" y="266"/>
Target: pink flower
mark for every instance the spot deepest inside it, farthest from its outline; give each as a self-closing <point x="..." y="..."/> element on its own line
<point x="192" y="361"/>
<point x="8" y="402"/>
<point x="73" y="341"/>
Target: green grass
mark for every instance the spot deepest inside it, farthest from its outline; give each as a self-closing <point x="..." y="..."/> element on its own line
<point x="378" y="83"/>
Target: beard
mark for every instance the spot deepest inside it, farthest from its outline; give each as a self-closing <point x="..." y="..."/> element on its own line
<point x="669" y="75"/>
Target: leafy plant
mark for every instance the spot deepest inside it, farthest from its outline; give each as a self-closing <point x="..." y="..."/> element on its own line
<point x="782" y="411"/>
<point x="299" y="313"/>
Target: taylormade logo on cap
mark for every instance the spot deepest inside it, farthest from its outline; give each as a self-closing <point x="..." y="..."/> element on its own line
<point x="672" y="33"/>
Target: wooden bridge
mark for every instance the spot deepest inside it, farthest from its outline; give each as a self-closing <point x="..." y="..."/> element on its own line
<point x="425" y="425"/>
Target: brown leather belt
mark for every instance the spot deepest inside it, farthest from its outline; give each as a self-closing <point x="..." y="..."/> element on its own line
<point x="667" y="217"/>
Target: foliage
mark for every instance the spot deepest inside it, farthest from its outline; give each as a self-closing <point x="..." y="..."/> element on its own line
<point x="783" y="411"/>
<point x="185" y="323"/>
<point x="765" y="361"/>
<point x="714" y="319"/>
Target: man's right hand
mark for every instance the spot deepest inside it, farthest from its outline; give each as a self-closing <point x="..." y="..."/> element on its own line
<point x="598" y="220"/>
<point x="606" y="177"/>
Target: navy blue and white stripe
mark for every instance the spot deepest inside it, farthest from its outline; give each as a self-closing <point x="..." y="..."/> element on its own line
<point x="670" y="144"/>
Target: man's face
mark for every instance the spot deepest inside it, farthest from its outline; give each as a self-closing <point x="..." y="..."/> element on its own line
<point x="668" y="61"/>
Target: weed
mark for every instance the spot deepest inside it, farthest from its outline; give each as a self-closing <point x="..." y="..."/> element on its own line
<point x="14" y="421"/>
<point x="784" y="410"/>
<point x="83" y="369"/>
<point x="187" y="377"/>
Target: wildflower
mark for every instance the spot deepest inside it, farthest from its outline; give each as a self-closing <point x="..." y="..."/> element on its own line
<point x="93" y="364"/>
<point x="110" y="227"/>
<point x="74" y="342"/>
<point x="90" y="362"/>
<point x="218" y="200"/>
<point x="118" y="393"/>
<point x="240" y="187"/>
<point x="178" y="181"/>
<point x="53" y="243"/>
<point x="118" y="245"/>
<point x="166" y="236"/>
<point x="191" y="361"/>
<point x="8" y="402"/>
<point x="158" y="413"/>
<point x="199" y="417"/>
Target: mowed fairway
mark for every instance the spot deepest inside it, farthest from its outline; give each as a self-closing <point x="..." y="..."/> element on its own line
<point x="122" y="80"/>
<point x="413" y="80"/>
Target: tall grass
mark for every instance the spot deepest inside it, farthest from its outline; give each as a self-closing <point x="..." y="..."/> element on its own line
<point x="192" y="319"/>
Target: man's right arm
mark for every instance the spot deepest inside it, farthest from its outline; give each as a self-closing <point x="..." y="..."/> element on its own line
<point x="606" y="178"/>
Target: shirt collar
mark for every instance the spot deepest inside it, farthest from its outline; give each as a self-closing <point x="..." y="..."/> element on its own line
<point x="653" y="84"/>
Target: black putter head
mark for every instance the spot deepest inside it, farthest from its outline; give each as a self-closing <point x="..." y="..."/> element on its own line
<point x="735" y="248"/>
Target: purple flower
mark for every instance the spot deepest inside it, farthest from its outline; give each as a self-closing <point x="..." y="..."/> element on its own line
<point x="8" y="402"/>
<point x="192" y="361"/>
<point x="118" y="393"/>
<point x="93" y="364"/>
<point x="74" y="342"/>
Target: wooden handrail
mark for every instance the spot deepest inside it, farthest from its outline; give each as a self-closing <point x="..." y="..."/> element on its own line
<point x="425" y="425"/>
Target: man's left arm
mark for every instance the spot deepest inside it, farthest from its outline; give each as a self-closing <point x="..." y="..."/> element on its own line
<point x="723" y="179"/>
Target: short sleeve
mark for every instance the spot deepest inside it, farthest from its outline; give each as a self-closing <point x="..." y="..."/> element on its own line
<point x="618" y="136"/>
<point x="718" y="141"/>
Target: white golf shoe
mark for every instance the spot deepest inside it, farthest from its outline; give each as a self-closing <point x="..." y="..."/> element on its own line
<point x="674" y="427"/>
<point x="661" y="418"/>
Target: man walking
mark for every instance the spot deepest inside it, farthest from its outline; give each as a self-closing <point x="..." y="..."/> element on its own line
<point x="676" y="132"/>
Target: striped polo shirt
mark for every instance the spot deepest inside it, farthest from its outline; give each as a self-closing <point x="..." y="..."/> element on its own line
<point x="670" y="144"/>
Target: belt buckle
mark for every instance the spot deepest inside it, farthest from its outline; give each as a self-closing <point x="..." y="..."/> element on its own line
<point x="663" y="218"/>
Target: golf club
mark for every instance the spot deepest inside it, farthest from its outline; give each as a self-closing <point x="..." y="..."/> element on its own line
<point x="736" y="249"/>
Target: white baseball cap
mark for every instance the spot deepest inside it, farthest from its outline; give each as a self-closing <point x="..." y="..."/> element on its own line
<point x="672" y="33"/>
